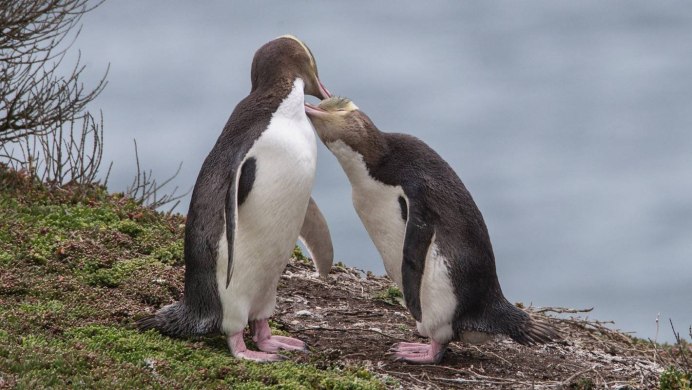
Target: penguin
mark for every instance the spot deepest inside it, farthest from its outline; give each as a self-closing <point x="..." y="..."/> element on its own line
<point x="248" y="207"/>
<point x="317" y="240"/>
<point x="428" y="231"/>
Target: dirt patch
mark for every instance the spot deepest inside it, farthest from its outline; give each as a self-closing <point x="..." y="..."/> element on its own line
<point x="344" y="324"/>
<point x="78" y="268"/>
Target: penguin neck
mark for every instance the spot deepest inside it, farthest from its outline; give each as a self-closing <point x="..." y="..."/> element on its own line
<point x="355" y="164"/>
<point x="279" y="83"/>
<point x="286" y="95"/>
<point x="372" y="147"/>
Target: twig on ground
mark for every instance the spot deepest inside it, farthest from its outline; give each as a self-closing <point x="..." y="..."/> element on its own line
<point x="678" y="341"/>
<point x="145" y="190"/>
<point x="654" y="343"/>
<point x="347" y="330"/>
<point x="491" y="353"/>
<point x="567" y="381"/>
<point x="562" y="310"/>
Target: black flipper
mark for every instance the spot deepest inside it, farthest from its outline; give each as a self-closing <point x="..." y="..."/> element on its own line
<point x="238" y="190"/>
<point x="417" y="240"/>
<point x="315" y="235"/>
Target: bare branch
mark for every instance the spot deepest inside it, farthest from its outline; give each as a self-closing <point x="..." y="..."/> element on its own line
<point x="71" y="155"/>
<point x="145" y="190"/>
<point x="34" y="37"/>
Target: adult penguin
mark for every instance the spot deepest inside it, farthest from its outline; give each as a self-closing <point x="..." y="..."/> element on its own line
<point x="248" y="207"/>
<point x="429" y="232"/>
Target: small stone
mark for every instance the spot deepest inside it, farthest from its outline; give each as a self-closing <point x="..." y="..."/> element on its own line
<point x="378" y="330"/>
<point x="150" y="363"/>
<point x="304" y="313"/>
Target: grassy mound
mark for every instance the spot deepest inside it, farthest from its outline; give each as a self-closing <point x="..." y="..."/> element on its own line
<point x="77" y="267"/>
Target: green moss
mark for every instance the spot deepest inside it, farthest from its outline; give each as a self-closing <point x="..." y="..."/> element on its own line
<point x="131" y="228"/>
<point x="210" y="366"/>
<point x="59" y="327"/>
<point x="298" y="254"/>
<point x="93" y="274"/>
<point x="582" y="384"/>
<point x="51" y="306"/>
<point x="41" y="249"/>
<point x="156" y="237"/>
<point x="43" y="362"/>
<point x="391" y="295"/>
<point x="71" y="217"/>
<point x="171" y="253"/>
<point x="5" y="259"/>
<point x="277" y="329"/>
<point x="675" y="379"/>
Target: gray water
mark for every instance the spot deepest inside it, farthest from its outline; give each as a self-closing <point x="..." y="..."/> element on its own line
<point x="569" y="122"/>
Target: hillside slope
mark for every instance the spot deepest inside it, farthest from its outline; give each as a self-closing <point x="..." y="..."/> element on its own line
<point x="79" y="266"/>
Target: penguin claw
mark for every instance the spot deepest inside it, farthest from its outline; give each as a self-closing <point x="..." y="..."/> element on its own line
<point x="275" y="343"/>
<point x="264" y="340"/>
<point x="418" y="353"/>
<point x="260" y="357"/>
<point x="240" y="351"/>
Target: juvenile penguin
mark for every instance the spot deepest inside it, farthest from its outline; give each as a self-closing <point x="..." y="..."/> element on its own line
<point x="248" y="206"/>
<point x="429" y="232"/>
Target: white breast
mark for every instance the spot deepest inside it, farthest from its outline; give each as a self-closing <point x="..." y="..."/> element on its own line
<point x="269" y="221"/>
<point x="437" y="299"/>
<point x="377" y="205"/>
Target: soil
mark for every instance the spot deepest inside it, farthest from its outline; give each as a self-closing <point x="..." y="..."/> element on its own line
<point x="344" y="324"/>
<point x="106" y="261"/>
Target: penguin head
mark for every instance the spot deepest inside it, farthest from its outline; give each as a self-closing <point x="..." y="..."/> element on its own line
<point x="339" y="119"/>
<point x="285" y="59"/>
<point x="333" y="117"/>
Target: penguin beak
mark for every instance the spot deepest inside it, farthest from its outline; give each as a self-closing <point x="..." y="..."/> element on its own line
<point x="314" y="111"/>
<point x="323" y="90"/>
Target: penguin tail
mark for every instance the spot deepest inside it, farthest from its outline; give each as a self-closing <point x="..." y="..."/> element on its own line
<point x="533" y="332"/>
<point x="176" y="320"/>
<point x="523" y="329"/>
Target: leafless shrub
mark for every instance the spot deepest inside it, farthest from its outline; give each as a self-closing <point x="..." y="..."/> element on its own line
<point x="681" y="345"/>
<point x="148" y="192"/>
<point x="38" y="105"/>
<point x="71" y="155"/>
<point x="34" y="37"/>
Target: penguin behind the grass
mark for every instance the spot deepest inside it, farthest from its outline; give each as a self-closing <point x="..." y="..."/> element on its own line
<point x="249" y="205"/>
<point x="428" y="231"/>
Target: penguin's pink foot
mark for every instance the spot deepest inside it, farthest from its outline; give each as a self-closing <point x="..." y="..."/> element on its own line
<point x="419" y="353"/>
<point x="276" y="343"/>
<point x="240" y="351"/>
<point x="266" y="342"/>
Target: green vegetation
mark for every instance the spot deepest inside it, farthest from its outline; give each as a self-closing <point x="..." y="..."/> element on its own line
<point x="391" y="295"/>
<point x="77" y="267"/>
<point x="675" y="379"/>
<point x="582" y="384"/>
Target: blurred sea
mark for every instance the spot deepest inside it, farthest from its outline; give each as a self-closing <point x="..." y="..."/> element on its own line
<point x="569" y="122"/>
